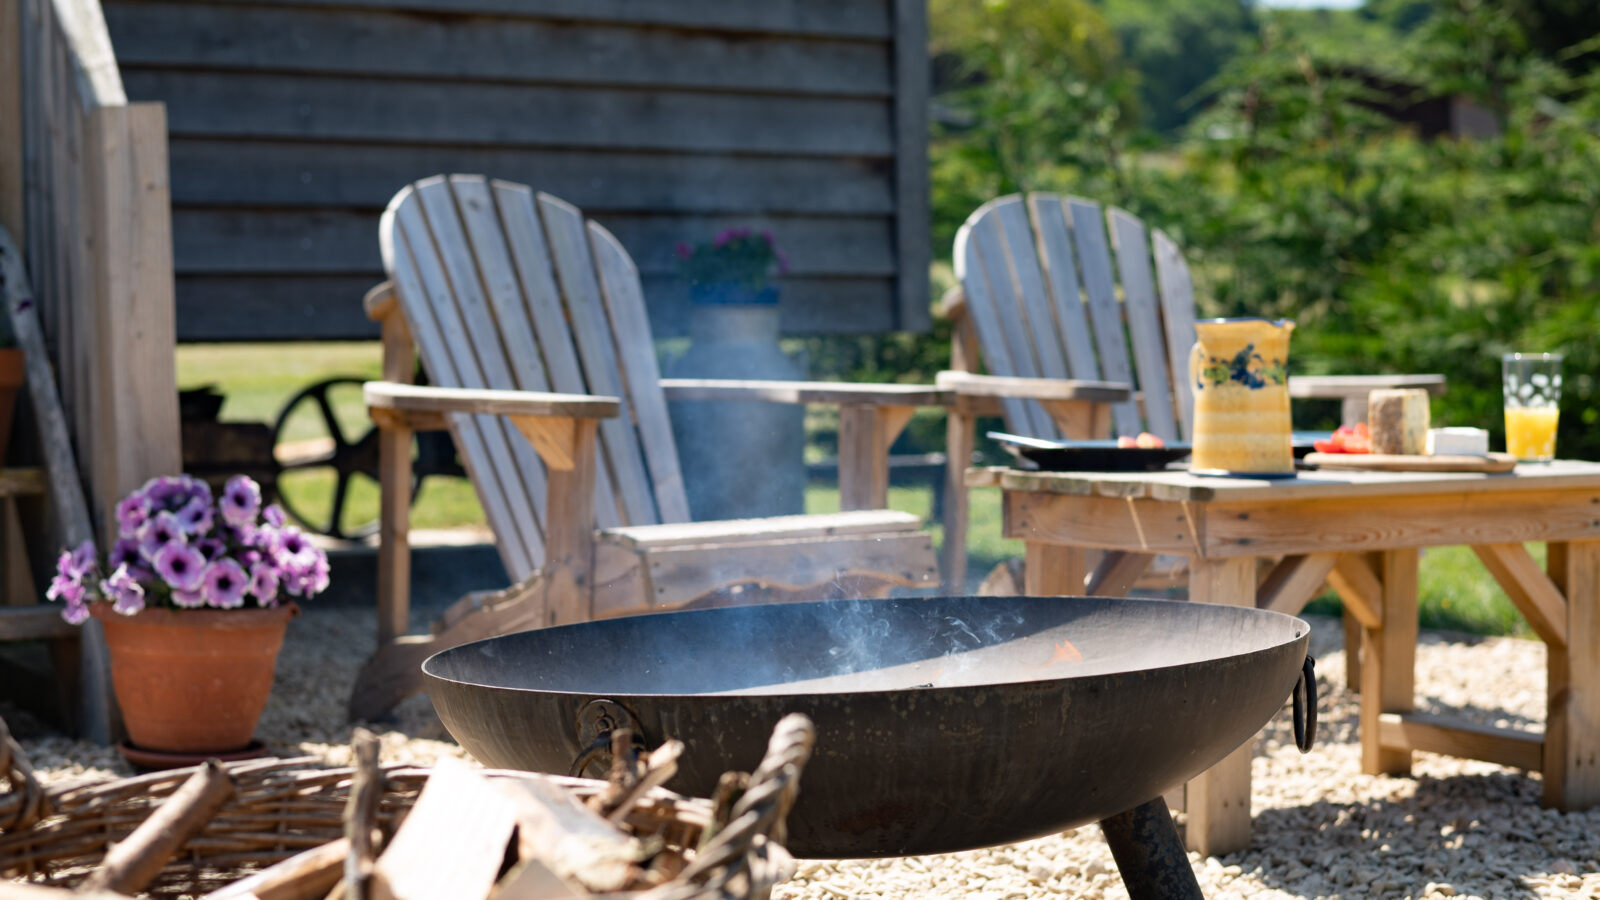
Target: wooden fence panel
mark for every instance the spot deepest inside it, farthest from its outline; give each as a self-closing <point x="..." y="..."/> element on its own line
<point x="98" y="243"/>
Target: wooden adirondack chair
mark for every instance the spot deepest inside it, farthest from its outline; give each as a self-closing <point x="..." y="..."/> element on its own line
<point x="1038" y="298"/>
<point x="510" y="294"/>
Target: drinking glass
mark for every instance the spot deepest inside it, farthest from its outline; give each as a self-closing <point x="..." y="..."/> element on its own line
<point x="1532" y="383"/>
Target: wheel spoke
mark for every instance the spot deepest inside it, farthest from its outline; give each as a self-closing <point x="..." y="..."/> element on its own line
<point x="336" y="517"/>
<point x="328" y="418"/>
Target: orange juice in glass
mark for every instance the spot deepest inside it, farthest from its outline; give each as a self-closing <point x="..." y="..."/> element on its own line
<point x="1532" y="383"/>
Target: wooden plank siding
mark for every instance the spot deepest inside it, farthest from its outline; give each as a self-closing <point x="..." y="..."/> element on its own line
<point x="292" y="124"/>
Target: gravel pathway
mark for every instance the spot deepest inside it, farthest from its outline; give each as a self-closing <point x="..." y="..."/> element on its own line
<point x="1322" y="829"/>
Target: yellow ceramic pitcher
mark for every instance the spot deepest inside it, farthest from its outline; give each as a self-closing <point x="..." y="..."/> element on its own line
<point x="1239" y="371"/>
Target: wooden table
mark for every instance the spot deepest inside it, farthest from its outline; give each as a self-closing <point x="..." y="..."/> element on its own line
<point x="1359" y="532"/>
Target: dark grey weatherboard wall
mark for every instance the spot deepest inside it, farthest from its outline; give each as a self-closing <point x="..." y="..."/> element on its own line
<point x="292" y="124"/>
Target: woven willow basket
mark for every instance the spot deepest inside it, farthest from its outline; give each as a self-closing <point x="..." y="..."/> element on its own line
<point x="57" y="835"/>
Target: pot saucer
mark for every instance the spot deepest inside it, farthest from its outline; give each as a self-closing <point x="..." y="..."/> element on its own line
<point x="155" y="760"/>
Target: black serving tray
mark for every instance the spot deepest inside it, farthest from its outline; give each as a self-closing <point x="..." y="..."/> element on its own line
<point x="1089" y="456"/>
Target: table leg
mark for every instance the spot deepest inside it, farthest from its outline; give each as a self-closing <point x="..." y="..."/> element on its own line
<point x="1055" y="570"/>
<point x="1218" y="801"/>
<point x="1388" y="660"/>
<point x="1572" y="727"/>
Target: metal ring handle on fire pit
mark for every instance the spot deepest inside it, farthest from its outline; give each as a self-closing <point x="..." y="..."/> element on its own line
<point x="1305" y="706"/>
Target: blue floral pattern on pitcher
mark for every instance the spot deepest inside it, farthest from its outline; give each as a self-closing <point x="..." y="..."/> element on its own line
<point x="1220" y="370"/>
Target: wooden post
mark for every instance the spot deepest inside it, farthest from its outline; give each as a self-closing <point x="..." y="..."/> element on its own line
<point x="1055" y="570"/>
<point x="394" y="477"/>
<point x="569" y="529"/>
<point x="1218" y="801"/>
<point x="1388" y="661"/>
<point x="960" y="433"/>
<point x="1572" y="725"/>
<point x="135" y="405"/>
<point x="865" y="433"/>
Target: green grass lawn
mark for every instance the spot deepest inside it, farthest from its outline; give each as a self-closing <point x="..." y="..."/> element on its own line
<point x="1455" y="592"/>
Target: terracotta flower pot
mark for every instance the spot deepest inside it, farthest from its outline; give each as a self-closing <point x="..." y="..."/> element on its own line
<point x="193" y="680"/>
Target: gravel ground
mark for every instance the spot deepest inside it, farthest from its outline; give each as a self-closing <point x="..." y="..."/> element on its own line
<point x="1322" y="829"/>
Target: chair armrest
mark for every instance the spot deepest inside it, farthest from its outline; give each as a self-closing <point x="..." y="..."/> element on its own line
<point x="966" y="384"/>
<point x="380" y="301"/>
<point x="1338" y="387"/>
<point x="805" y="392"/>
<point x="428" y="399"/>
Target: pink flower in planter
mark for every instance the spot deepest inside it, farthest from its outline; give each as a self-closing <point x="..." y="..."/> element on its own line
<point x="125" y="552"/>
<point x="77" y="563"/>
<point x="195" y="516"/>
<point x="188" y="599"/>
<point x="241" y="500"/>
<point x="264" y="583"/>
<point x="225" y="583"/>
<point x="161" y="531"/>
<point x="273" y="515"/>
<point x="181" y="566"/>
<point x="67" y="588"/>
<point x="132" y="512"/>
<point x="124" y="590"/>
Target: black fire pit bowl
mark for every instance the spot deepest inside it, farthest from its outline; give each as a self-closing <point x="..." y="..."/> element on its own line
<point x="942" y="724"/>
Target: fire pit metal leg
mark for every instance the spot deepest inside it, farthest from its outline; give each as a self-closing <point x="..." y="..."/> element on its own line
<point x="1152" y="860"/>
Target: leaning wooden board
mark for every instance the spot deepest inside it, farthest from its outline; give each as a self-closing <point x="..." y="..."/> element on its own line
<point x="1388" y="462"/>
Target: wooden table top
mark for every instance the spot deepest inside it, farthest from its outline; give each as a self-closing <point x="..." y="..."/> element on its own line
<point x="1179" y="486"/>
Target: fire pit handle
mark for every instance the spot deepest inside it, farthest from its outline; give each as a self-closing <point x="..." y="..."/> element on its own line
<point x="1305" y="706"/>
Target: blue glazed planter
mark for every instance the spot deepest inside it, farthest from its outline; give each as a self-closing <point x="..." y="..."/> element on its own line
<point x="727" y="294"/>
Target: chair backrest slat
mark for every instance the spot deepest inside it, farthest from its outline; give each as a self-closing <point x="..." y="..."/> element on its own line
<point x="1061" y="271"/>
<point x="530" y="254"/>
<point x="982" y="265"/>
<point x="428" y="298"/>
<point x="636" y="353"/>
<point x="569" y="245"/>
<point x="1048" y="298"/>
<point x="511" y="290"/>
<point x="1177" y="307"/>
<point x="1144" y="322"/>
<point x="1105" y="313"/>
<point x="501" y="338"/>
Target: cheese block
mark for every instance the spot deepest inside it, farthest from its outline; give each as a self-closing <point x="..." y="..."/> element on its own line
<point x="1398" y="419"/>
<point x="1458" y="442"/>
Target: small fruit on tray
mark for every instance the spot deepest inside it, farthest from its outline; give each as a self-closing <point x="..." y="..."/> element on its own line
<point x="1346" y="439"/>
<point x="1145" y="441"/>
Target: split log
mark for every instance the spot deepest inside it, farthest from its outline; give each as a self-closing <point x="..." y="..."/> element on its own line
<point x="452" y="844"/>
<point x="132" y="864"/>
<point x="304" y="876"/>
<point x="573" y="841"/>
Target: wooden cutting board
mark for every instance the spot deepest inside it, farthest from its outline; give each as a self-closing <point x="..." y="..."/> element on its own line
<point x="1384" y="462"/>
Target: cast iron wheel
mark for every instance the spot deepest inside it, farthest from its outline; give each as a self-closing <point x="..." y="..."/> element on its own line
<point x="329" y="455"/>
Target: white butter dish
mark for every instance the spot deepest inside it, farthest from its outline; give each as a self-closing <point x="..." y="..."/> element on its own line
<point x="1457" y="442"/>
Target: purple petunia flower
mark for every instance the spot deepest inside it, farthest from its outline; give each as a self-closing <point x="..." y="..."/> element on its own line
<point x="125" y="591"/>
<point x="308" y="581"/>
<point x="189" y="599"/>
<point x="273" y="515"/>
<point x="124" y="552"/>
<point x="76" y="613"/>
<point x="132" y="512"/>
<point x="181" y="566"/>
<point x="195" y="516"/>
<point x="162" y="531"/>
<point x="241" y="500"/>
<point x="225" y="583"/>
<point x="77" y="563"/>
<point x="67" y="588"/>
<point x="210" y="547"/>
<point x="295" y="550"/>
<point x="264" y="583"/>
